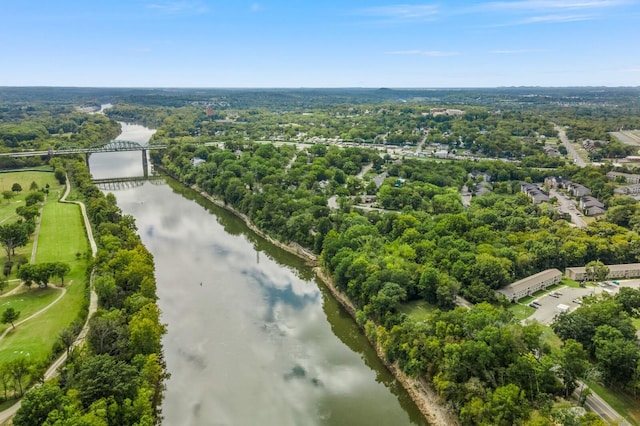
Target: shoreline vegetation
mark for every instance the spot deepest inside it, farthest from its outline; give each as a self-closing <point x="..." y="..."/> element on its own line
<point x="121" y="364"/>
<point x="425" y="398"/>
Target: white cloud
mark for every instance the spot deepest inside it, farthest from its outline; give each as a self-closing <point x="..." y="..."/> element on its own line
<point x="402" y="12"/>
<point x="550" y="5"/>
<point x="555" y="19"/>
<point x="432" y="53"/>
<point x="177" y="7"/>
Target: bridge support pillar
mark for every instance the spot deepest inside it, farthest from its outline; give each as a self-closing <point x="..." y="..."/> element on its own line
<point x="145" y="163"/>
<point x="86" y="160"/>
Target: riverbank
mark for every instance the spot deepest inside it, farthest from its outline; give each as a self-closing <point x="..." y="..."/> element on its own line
<point x="425" y="398"/>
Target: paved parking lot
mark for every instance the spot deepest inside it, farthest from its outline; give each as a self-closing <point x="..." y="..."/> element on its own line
<point x="549" y="304"/>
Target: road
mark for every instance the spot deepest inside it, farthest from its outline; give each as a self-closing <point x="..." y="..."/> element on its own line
<point x="577" y="159"/>
<point x="601" y="408"/>
<point x="568" y="206"/>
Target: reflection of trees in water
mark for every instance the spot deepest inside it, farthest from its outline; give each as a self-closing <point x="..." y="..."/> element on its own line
<point x="345" y="328"/>
<point x="342" y="324"/>
<point x="233" y="225"/>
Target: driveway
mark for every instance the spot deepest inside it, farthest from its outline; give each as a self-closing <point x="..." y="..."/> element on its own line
<point x="549" y="304"/>
<point x="568" y="206"/>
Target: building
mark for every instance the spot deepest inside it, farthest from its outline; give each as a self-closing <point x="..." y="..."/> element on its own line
<point x="556" y="182"/>
<point x="535" y="193"/>
<point x="592" y="206"/>
<point x="626" y="270"/>
<point x="627" y="177"/>
<point x="196" y="161"/>
<point x="628" y="190"/>
<point x="441" y="153"/>
<point x="577" y="190"/>
<point x="531" y="284"/>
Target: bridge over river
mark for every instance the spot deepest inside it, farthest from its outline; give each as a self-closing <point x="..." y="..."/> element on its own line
<point x="113" y="146"/>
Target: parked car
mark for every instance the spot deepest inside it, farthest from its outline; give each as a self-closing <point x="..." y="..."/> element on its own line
<point x="534" y="306"/>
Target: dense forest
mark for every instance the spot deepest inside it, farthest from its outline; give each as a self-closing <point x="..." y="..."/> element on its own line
<point x="338" y="173"/>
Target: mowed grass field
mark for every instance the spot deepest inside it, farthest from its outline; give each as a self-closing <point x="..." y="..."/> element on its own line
<point x="61" y="238"/>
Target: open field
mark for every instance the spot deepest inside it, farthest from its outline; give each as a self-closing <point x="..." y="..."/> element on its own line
<point x="27" y="302"/>
<point x="628" y="137"/>
<point x="62" y="234"/>
<point x="61" y="237"/>
<point x="417" y="310"/>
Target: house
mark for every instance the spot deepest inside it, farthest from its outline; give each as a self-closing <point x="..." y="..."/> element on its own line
<point x="535" y="193"/>
<point x="627" y="177"/>
<point x="531" y="284"/>
<point x="626" y="270"/>
<point x="628" y="190"/>
<point x="588" y="201"/>
<point x="441" y="153"/>
<point x="556" y="182"/>
<point x="591" y="145"/>
<point x="577" y="190"/>
<point x="551" y="151"/>
<point x="477" y="175"/>
<point x="196" y="161"/>
<point x="594" y="211"/>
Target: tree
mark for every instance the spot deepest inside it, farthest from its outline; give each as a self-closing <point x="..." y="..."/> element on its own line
<point x="573" y="364"/>
<point x="67" y="337"/>
<point x="37" y="403"/>
<point x="16" y="187"/>
<point x="508" y="406"/>
<point x="28" y="212"/>
<point x="19" y="368"/>
<point x="33" y="186"/>
<point x="13" y="235"/>
<point x="9" y="316"/>
<point x="629" y="299"/>
<point x="101" y="376"/>
<point x="61" y="175"/>
<point x="39" y="273"/>
<point x="596" y="270"/>
<point x="33" y="198"/>
<point x="4" y="283"/>
<point x="60" y="269"/>
<point x="7" y="195"/>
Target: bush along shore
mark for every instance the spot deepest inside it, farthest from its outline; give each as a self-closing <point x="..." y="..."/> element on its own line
<point x="428" y="402"/>
<point x="119" y="376"/>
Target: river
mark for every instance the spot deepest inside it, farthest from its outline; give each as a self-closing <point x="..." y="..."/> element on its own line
<point x="253" y="337"/>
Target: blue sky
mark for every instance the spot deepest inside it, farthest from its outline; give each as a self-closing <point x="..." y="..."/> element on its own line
<point x="328" y="43"/>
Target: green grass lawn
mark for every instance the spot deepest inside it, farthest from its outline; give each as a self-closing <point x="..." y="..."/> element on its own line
<point x="27" y="302"/>
<point x="62" y="234"/>
<point x="570" y="283"/>
<point x="61" y="237"/>
<point x="521" y="311"/>
<point x="623" y="403"/>
<point x="417" y="310"/>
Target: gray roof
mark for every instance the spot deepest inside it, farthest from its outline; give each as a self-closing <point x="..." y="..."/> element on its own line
<point x="527" y="282"/>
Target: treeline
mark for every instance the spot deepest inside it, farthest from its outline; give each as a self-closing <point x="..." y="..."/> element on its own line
<point x="41" y="130"/>
<point x="118" y="377"/>
<point x="604" y="327"/>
